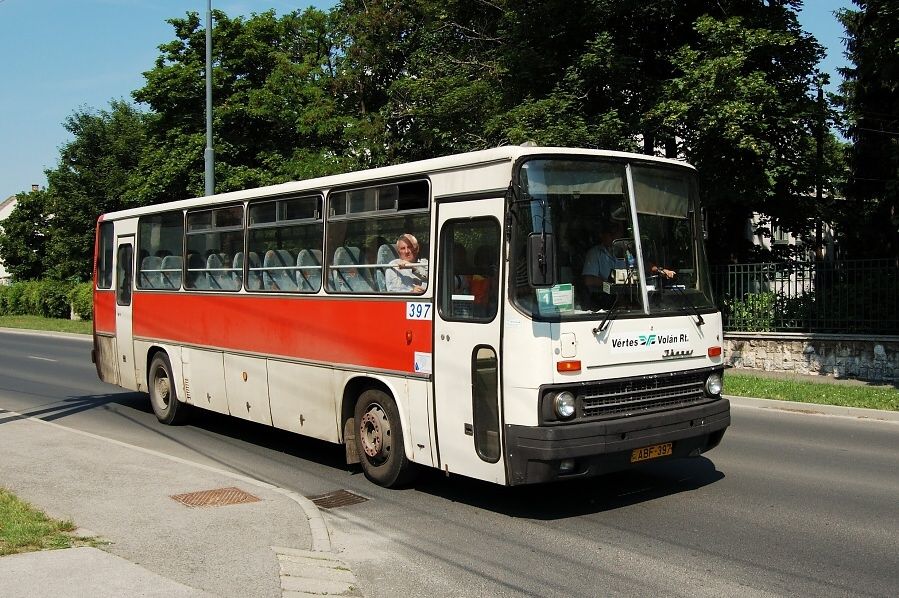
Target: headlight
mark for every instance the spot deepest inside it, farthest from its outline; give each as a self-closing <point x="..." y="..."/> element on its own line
<point x="713" y="384"/>
<point x="564" y="404"/>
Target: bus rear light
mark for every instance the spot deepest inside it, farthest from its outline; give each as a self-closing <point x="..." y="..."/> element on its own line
<point x="571" y="365"/>
<point x="714" y="351"/>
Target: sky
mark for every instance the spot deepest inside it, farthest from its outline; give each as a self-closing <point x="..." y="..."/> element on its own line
<point x="59" y="56"/>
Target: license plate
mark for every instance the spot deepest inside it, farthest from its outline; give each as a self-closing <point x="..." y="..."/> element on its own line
<point x="651" y="452"/>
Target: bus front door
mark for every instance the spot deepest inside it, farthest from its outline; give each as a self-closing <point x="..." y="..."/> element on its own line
<point x="124" y="276"/>
<point x="466" y="361"/>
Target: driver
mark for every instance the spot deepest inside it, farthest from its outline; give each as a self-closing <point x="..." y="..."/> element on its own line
<point x="599" y="261"/>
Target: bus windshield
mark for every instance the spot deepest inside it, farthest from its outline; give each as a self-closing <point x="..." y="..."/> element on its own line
<point x="604" y="259"/>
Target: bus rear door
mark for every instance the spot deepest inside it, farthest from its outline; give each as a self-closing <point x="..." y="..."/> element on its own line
<point x="466" y="360"/>
<point x="124" y="277"/>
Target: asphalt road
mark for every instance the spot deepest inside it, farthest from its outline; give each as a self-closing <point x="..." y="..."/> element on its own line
<point x="789" y="504"/>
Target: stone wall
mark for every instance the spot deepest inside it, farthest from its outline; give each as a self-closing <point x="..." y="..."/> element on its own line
<point x="871" y="358"/>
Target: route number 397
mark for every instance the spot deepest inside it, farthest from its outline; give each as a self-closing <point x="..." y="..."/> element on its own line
<point x="418" y="311"/>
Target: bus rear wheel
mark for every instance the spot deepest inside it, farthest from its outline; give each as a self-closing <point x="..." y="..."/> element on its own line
<point x="379" y="440"/>
<point x="163" y="396"/>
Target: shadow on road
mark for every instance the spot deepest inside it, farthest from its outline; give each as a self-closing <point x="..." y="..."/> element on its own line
<point x="72" y="405"/>
<point x="581" y="497"/>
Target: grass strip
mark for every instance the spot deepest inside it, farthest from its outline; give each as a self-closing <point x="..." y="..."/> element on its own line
<point x="48" y="324"/>
<point x="26" y="529"/>
<point x="822" y="393"/>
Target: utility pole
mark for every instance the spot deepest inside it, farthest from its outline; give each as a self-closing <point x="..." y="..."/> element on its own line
<point x="209" y="154"/>
<point x="819" y="167"/>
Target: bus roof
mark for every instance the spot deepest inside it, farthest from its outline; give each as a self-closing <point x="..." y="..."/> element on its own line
<point x="507" y="153"/>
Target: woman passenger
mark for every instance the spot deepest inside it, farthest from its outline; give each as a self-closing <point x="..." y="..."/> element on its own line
<point x="408" y="274"/>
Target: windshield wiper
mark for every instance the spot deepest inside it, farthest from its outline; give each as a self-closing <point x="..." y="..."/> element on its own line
<point x="690" y="305"/>
<point x="607" y="318"/>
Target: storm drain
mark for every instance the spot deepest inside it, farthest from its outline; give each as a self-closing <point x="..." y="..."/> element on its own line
<point x="219" y="497"/>
<point x="338" y="498"/>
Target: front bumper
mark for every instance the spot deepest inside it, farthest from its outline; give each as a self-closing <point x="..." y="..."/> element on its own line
<point x="534" y="453"/>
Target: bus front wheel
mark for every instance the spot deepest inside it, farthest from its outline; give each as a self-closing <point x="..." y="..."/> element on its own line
<point x="379" y="440"/>
<point x="163" y="396"/>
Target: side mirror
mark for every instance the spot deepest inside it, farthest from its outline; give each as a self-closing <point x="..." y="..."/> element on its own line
<point x="541" y="260"/>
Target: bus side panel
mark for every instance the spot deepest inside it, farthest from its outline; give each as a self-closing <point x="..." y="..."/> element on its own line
<point x="527" y="363"/>
<point x="419" y="423"/>
<point x="204" y="379"/>
<point x="141" y="363"/>
<point x="366" y="333"/>
<point x="304" y="399"/>
<point x="105" y="352"/>
<point x="105" y="358"/>
<point x="104" y="311"/>
<point x="412" y="398"/>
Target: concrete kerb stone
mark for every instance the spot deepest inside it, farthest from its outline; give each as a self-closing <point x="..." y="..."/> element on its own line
<point x="856" y="413"/>
<point x="321" y="541"/>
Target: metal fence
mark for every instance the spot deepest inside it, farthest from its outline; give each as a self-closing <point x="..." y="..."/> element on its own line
<point x="849" y="296"/>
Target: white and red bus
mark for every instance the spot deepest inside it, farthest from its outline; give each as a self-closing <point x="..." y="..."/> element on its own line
<point x="536" y="346"/>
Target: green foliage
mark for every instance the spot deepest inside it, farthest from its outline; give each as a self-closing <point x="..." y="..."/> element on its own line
<point x="753" y="313"/>
<point x="45" y="298"/>
<point x="276" y="115"/>
<point x="743" y="108"/>
<point x="870" y="97"/>
<point x="81" y="297"/>
<point x="23" y="239"/>
<point x="94" y="175"/>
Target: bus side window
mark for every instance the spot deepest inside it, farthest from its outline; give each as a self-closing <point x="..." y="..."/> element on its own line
<point x="104" y="256"/>
<point x="363" y="231"/>
<point x="484" y="385"/>
<point x="124" y="269"/>
<point x="470" y="289"/>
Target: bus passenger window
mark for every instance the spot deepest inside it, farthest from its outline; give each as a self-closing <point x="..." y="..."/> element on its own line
<point x="368" y="230"/>
<point x="284" y="240"/>
<point x="213" y="238"/>
<point x="159" y="237"/>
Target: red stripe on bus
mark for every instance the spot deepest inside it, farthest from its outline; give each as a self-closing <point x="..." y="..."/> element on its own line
<point x="367" y="333"/>
<point x="104" y="311"/>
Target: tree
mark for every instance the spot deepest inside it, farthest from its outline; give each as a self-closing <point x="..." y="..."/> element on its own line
<point x="23" y="237"/>
<point x="745" y="113"/>
<point x="276" y="115"/>
<point x="870" y="98"/>
<point x="95" y="174"/>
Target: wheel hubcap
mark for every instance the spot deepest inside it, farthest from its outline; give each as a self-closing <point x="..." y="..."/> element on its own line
<point x="374" y="431"/>
<point x="162" y="390"/>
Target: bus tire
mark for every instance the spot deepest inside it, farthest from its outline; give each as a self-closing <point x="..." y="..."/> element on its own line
<point x="379" y="440"/>
<point x="163" y="396"/>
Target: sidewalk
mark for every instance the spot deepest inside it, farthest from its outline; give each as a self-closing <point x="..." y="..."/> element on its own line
<point x="274" y="543"/>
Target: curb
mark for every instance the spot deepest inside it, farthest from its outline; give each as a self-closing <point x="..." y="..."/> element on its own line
<point x="856" y="413"/>
<point x="321" y="540"/>
<point x="72" y="335"/>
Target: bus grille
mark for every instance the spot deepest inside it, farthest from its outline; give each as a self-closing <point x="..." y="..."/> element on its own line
<point x="634" y="397"/>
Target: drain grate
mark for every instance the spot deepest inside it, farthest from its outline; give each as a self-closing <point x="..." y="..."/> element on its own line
<point x="338" y="498"/>
<point x="219" y="497"/>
